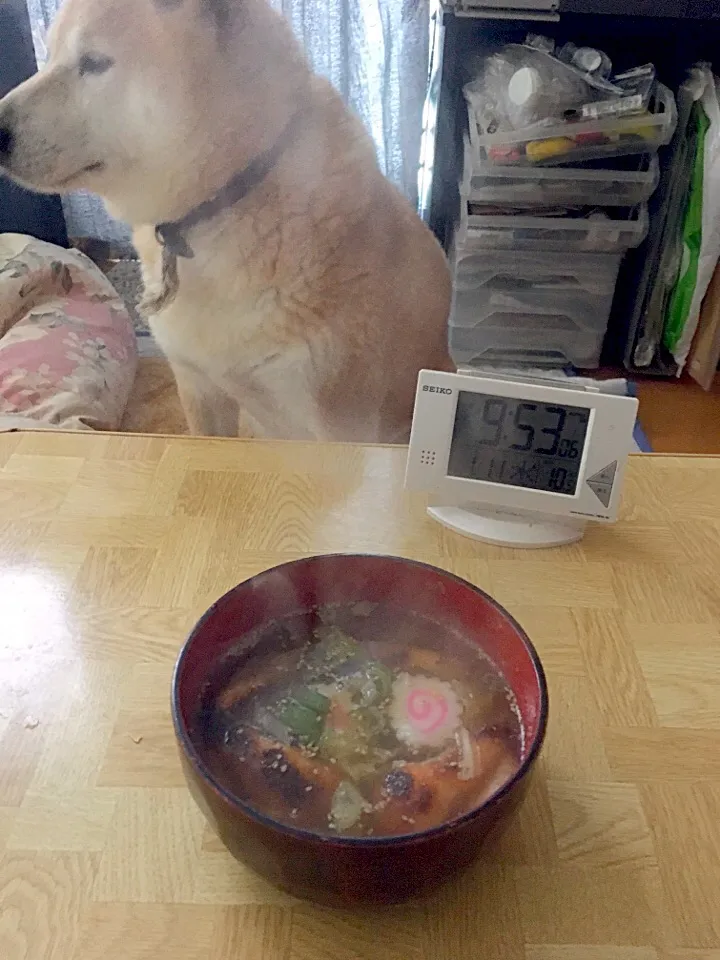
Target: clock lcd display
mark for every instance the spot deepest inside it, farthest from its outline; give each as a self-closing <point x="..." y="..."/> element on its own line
<point x="521" y="443"/>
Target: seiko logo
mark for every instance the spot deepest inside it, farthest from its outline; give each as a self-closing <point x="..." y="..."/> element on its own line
<point x="429" y="389"/>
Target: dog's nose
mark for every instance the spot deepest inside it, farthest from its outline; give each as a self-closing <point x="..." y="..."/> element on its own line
<point x="6" y="136"/>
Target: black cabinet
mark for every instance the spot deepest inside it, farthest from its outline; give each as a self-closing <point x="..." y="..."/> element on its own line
<point x="704" y="9"/>
<point x="673" y="34"/>
<point x="632" y="31"/>
<point x="628" y="8"/>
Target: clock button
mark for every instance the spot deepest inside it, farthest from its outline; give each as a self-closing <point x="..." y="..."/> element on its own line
<point x="601" y="483"/>
<point x="603" y="491"/>
<point x="606" y="475"/>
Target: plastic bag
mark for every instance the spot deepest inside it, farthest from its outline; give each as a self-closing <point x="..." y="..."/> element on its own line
<point x="521" y="86"/>
<point x="681" y="297"/>
<point x="709" y="250"/>
<point x="705" y="352"/>
<point x="663" y="253"/>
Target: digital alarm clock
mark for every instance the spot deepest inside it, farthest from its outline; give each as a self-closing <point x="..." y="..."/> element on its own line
<point x="518" y="462"/>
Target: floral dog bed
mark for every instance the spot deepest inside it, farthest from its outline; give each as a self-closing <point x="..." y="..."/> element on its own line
<point x="68" y="354"/>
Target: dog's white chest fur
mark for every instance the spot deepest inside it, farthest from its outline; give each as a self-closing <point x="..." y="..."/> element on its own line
<point x="229" y="342"/>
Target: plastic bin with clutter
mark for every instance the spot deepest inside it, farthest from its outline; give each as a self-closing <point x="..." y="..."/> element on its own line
<point x="536" y="104"/>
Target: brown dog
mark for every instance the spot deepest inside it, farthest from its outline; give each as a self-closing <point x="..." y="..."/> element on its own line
<point x="294" y="290"/>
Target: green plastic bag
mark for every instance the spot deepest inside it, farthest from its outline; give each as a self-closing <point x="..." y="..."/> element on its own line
<point x="681" y="298"/>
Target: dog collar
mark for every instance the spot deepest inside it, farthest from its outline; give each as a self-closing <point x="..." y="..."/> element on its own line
<point x="172" y="235"/>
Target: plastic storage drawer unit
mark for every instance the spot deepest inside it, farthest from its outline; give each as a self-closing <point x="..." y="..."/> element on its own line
<point x="534" y="340"/>
<point x="612" y="231"/>
<point x="625" y="186"/>
<point x="531" y="310"/>
<point x="520" y="270"/>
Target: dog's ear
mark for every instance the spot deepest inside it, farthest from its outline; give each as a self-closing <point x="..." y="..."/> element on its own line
<point x="220" y="11"/>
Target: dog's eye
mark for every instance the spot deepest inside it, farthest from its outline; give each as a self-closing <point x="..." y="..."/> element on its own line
<point x="94" y="64"/>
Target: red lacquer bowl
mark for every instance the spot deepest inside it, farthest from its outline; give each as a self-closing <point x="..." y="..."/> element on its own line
<point x="355" y="870"/>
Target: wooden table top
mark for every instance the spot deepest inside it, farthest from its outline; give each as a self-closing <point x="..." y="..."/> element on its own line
<point x="110" y="547"/>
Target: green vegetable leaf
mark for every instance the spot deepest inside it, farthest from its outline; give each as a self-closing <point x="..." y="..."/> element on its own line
<point x="303" y="713"/>
<point x="312" y="700"/>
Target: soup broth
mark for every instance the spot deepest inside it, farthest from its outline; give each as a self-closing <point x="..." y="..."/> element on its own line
<point x="359" y="720"/>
